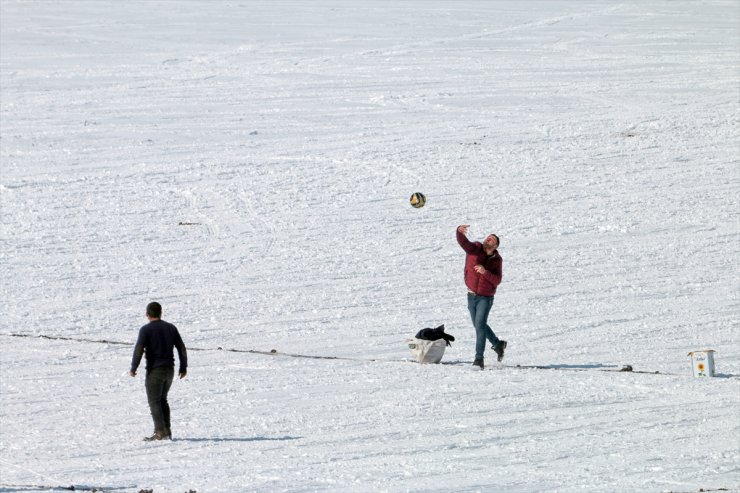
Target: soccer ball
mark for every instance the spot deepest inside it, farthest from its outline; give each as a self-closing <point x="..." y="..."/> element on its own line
<point x="417" y="200"/>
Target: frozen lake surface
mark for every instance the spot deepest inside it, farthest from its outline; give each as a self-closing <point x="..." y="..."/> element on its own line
<point x="248" y="165"/>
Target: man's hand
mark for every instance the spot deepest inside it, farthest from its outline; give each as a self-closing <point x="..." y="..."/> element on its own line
<point x="132" y="373"/>
<point x="463" y="228"/>
<point x="480" y="269"/>
<point x="182" y="374"/>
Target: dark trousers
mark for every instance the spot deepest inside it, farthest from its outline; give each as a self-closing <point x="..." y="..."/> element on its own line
<point x="158" y="383"/>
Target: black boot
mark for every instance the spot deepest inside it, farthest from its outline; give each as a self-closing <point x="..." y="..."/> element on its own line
<point x="478" y="362"/>
<point x="499" y="348"/>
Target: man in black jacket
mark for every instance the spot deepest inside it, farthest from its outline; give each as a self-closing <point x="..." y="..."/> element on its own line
<point x="157" y="340"/>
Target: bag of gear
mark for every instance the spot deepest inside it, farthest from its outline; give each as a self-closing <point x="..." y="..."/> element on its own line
<point x="429" y="344"/>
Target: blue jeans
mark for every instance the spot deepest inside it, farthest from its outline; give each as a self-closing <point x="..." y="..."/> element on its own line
<point x="479" y="308"/>
<point x="158" y="382"/>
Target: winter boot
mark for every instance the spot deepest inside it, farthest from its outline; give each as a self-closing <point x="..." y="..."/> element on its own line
<point x="167" y="434"/>
<point x="499" y="348"/>
<point x="158" y="435"/>
<point x="478" y="362"/>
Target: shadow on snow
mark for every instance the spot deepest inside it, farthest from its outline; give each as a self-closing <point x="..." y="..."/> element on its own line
<point x="237" y="439"/>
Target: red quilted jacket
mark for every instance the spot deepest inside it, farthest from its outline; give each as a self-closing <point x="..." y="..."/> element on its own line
<point x="482" y="285"/>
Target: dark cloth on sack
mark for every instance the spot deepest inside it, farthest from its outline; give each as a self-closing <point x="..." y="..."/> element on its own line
<point x="435" y="334"/>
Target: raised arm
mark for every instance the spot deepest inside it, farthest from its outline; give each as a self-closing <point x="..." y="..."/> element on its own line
<point x="463" y="241"/>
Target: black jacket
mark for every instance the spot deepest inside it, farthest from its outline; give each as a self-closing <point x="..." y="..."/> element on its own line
<point x="435" y="334"/>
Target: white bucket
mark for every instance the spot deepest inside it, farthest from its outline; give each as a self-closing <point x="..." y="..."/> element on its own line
<point x="702" y="363"/>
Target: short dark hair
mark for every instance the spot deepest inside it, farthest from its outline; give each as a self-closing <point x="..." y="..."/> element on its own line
<point x="154" y="310"/>
<point x="498" y="241"/>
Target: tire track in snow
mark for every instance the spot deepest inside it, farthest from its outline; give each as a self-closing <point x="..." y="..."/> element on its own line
<point x="399" y="49"/>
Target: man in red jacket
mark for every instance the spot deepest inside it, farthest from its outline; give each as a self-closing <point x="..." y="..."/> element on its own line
<point x="482" y="276"/>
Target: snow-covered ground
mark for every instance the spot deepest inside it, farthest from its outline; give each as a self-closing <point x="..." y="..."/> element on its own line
<point x="248" y="164"/>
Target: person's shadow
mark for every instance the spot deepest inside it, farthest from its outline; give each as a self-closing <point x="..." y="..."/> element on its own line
<point x="236" y="439"/>
<point x="725" y="375"/>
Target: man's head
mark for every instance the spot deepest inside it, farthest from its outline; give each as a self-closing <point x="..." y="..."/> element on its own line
<point x="154" y="310"/>
<point x="491" y="241"/>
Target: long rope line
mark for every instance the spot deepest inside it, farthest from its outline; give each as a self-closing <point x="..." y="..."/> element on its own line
<point x="274" y="352"/>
